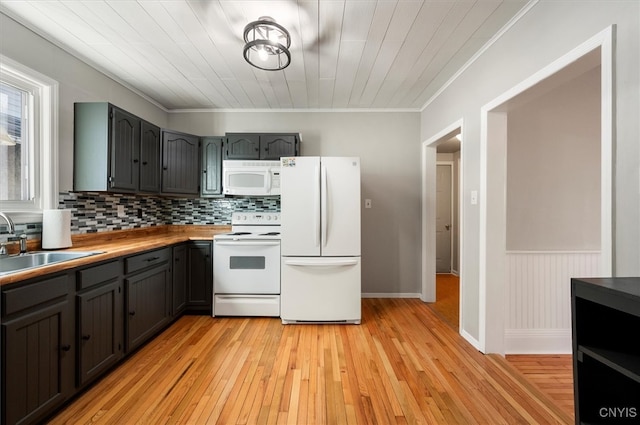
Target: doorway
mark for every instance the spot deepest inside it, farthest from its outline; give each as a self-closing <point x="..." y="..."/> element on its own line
<point x="441" y="223"/>
<point x="543" y="307"/>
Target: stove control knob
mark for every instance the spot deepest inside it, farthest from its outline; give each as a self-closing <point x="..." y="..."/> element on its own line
<point x="268" y="217"/>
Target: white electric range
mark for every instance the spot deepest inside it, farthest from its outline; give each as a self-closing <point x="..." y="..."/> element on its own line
<point x="246" y="266"/>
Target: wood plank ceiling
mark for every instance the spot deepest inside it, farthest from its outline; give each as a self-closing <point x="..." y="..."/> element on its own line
<point x="187" y="54"/>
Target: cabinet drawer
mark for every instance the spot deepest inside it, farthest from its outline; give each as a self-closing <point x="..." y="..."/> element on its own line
<point x="148" y="259"/>
<point x="98" y="274"/>
<point x="14" y="300"/>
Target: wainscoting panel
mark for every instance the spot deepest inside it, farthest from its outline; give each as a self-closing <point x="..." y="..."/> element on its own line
<point x="538" y="315"/>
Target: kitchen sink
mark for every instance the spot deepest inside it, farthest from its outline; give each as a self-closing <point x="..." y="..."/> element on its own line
<point x="18" y="263"/>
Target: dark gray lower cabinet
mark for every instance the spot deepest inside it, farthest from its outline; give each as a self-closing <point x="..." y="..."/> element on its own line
<point x="200" y="276"/>
<point x="180" y="276"/>
<point x="61" y="332"/>
<point x="148" y="290"/>
<point x="100" y="329"/>
<point x="37" y="349"/>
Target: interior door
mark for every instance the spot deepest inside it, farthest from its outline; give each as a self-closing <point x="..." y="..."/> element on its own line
<point x="443" y="218"/>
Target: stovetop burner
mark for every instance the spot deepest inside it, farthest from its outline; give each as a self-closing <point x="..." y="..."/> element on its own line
<point x="253" y="225"/>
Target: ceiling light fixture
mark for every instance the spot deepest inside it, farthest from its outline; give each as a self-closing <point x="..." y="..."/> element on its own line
<point x="267" y="44"/>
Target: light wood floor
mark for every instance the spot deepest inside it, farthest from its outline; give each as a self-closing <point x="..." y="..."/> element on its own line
<point x="553" y="374"/>
<point x="402" y="365"/>
<point x="447" y="304"/>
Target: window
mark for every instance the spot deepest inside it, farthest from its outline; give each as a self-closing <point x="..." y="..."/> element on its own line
<point x="28" y="142"/>
<point x="15" y="144"/>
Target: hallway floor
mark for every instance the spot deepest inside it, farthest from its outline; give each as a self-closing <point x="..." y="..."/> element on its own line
<point x="553" y="374"/>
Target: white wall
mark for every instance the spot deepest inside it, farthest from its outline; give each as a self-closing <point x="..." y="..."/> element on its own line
<point x="541" y="36"/>
<point x="389" y="148"/>
<point x="78" y="82"/>
<point x="553" y="169"/>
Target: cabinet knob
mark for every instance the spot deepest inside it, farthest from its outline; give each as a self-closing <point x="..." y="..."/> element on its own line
<point x="144" y="162"/>
<point x="65" y="347"/>
<point x="135" y="161"/>
<point x="132" y="313"/>
<point x="86" y="337"/>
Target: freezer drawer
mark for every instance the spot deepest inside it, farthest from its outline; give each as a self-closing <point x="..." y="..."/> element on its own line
<point x="320" y="289"/>
<point x="246" y="305"/>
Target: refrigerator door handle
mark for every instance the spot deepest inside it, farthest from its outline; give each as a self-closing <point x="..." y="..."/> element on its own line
<point x="316" y="210"/>
<point x="323" y="206"/>
<point x="325" y="262"/>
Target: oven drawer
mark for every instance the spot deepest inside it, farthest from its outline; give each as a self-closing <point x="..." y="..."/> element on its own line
<point x="246" y="305"/>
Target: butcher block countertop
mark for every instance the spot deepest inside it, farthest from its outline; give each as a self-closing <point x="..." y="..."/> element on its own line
<point x="116" y="244"/>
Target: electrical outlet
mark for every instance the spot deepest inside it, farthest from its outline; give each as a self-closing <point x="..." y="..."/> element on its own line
<point x="121" y="211"/>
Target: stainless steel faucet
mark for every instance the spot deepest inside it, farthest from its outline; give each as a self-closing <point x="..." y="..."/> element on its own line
<point x="12" y="227"/>
<point x="12" y="231"/>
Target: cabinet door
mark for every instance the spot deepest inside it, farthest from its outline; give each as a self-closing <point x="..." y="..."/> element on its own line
<point x="200" y="276"/>
<point x="37" y="362"/>
<point x="180" y="163"/>
<point x="147" y="295"/>
<point x="99" y="330"/>
<point x="125" y="150"/>
<point x="211" y="166"/>
<point x="242" y="146"/>
<point x="150" y="158"/>
<point x="275" y="146"/>
<point x="180" y="264"/>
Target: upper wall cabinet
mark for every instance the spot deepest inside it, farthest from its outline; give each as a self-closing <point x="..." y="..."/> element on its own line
<point x="267" y="146"/>
<point x="180" y="163"/>
<point x="149" y="158"/>
<point x="242" y="146"/>
<point x="114" y="150"/>
<point x="211" y="155"/>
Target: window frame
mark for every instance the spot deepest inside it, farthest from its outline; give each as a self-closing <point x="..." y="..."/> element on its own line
<point x="44" y="141"/>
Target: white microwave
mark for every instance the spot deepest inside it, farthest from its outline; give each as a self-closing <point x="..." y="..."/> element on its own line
<point x="251" y="178"/>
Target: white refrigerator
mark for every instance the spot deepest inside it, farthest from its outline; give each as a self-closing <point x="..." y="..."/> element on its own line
<point x="320" y="247"/>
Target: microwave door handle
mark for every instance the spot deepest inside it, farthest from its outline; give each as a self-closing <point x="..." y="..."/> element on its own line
<point x="268" y="181"/>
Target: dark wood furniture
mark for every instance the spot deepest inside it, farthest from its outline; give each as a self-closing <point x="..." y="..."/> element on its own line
<point x="606" y="353"/>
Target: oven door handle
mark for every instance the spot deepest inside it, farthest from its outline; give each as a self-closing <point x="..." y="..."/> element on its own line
<point x="248" y="243"/>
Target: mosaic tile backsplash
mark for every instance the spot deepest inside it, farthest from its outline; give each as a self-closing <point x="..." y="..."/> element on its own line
<point x="98" y="212"/>
<point x="93" y="212"/>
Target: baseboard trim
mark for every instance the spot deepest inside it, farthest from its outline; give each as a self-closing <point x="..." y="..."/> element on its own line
<point x="390" y="295"/>
<point x="470" y="339"/>
<point x="537" y="341"/>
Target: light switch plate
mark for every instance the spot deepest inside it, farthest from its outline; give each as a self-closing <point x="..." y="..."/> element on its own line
<point x="367" y="203"/>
